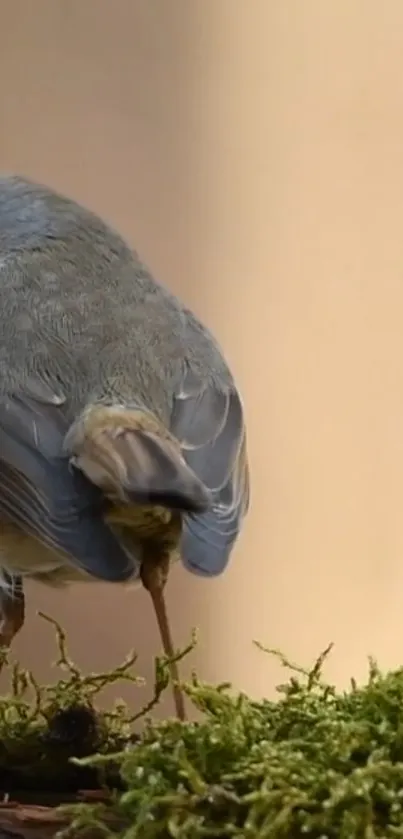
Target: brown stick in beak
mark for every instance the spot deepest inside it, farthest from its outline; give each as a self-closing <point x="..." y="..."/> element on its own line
<point x="154" y="575"/>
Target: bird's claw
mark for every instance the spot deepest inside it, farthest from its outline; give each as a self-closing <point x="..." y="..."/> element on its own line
<point x="11" y="619"/>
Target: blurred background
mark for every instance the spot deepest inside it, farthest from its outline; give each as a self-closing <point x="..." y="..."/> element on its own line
<point x="253" y="154"/>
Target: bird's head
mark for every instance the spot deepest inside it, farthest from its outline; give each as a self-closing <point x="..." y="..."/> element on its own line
<point x="140" y="469"/>
<point x="134" y="459"/>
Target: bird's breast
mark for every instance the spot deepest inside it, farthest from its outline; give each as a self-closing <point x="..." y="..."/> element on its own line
<point x="154" y="528"/>
<point x="22" y="554"/>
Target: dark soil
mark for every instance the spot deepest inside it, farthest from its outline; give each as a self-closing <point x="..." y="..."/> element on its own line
<point x="38" y="766"/>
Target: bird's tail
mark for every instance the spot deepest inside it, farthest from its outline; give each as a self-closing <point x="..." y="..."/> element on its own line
<point x="134" y="459"/>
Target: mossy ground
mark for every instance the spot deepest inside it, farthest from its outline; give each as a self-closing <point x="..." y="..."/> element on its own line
<point x="43" y="727"/>
<point x="317" y="762"/>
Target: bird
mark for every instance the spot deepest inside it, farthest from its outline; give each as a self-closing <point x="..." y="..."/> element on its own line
<point x="123" y="441"/>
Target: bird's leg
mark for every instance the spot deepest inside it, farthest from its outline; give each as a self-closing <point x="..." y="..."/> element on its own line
<point x="12" y="612"/>
<point x="154" y="575"/>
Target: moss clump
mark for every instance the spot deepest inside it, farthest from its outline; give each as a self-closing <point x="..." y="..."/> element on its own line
<point x="43" y="727"/>
<point x="317" y="763"/>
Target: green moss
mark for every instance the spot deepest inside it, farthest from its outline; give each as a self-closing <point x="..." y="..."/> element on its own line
<point x="43" y="727"/>
<point x="317" y="763"/>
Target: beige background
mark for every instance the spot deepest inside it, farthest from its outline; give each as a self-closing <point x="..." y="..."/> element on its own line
<point x="253" y="153"/>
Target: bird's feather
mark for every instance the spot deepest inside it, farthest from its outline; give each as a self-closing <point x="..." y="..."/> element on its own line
<point x="43" y="496"/>
<point x="209" y="423"/>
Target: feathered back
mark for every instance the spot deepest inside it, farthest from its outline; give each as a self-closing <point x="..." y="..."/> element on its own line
<point x="81" y="314"/>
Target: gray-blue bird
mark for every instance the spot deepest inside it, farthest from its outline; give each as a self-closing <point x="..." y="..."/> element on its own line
<point x="122" y="434"/>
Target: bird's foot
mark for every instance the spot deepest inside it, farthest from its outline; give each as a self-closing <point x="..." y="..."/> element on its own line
<point x="12" y="615"/>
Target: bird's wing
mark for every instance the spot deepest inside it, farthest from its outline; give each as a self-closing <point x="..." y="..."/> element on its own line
<point x="209" y="424"/>
<point x="44" y="496"/>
